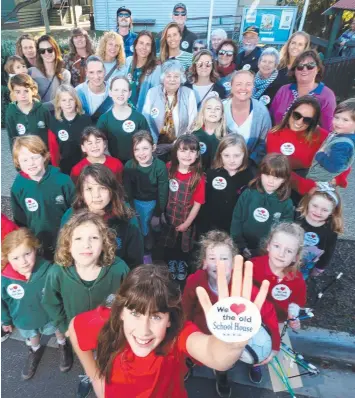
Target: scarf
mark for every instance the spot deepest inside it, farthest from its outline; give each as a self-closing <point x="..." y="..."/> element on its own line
<point x="167" y="133"/>
<point x="260" y="84"/>
<point x="225" y="71"/>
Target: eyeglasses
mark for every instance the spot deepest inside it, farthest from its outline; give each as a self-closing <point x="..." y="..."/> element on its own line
<point x="49" y="50"/>
<point x="298" y="116"/>
<point x="206" y="63"/>
<point x="123" y="15"/>
<point x="226" y="53"/>
<point x="179" y="13"/>
<point x="309" y="66"/>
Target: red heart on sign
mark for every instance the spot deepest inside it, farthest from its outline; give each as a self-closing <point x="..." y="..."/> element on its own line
<point x="220" y="179"/>
<point x="262" y="211"/>
<point x="282" y="288"/>
<point x="313" y="236"/>
<point x="14" y="287"/>
<point x="237" y="308"/>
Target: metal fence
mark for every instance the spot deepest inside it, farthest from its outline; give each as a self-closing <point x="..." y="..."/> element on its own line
<point x="340" y="76"/>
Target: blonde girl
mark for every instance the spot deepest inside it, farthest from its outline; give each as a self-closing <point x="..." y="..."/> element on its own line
<point x="23" y="278"/>
<point x="320" y="215"/>
<point x="67" y="125"/>
<point x="209" y="128"/>
<point x="225" y="181"/>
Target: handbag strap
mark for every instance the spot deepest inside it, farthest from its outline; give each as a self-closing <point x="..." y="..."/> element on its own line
<point x="111" y="71"/>
<point x="49" y="86"/>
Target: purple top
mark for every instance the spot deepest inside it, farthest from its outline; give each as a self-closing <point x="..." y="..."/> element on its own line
<point x="287" y="94"/>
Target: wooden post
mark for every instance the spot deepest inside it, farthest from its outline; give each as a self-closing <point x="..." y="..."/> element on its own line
<point x="45" y="16"/>
<point x="334" y="32"/>
<point x="73" y="12"/>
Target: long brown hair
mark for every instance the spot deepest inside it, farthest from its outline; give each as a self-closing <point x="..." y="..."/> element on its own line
<point x="80" y="32"/>
<point x="105" y="177"/>
<point x="192" y="73"/>
<point x="312" y="131"/>
<point x="152" y="62"/>
<point x="277" y="165"/>
<point x="25" y="36"/>
<point x="187" y="141"/>
<point x="59" y="64"/>
<point x="146" y="289"/>
<point x="164" y="48"/>
<point x="226" y="142"/>
<point x="284" y="54"/>
<point x="335" y="219"/>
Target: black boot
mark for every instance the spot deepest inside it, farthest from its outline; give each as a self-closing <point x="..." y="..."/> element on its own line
<point x="65" y="356"/>
<point x="223" y="387"/>
<point x="32" y="361"/>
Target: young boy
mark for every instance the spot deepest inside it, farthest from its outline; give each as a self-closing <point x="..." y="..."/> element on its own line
<point x="94" y="144"/>
<point x="26" y="115"/>
<point x="40" y="194"/>
<point x="338" y="151"/>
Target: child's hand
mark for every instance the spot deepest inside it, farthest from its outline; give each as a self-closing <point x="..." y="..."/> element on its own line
<point x="268" y="359"/>
<point x="182" y="227"/>
<point x="155" y="222"/>
<point x="163" y="219"/>
<point x="99" y="387"/>
<point x="241" y="287"/>
<point x="7" y="328"/>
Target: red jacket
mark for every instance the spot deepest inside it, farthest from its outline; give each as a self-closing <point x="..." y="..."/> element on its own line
<point x="302" y="155"/>
<point x="291" y="285"/>
<point x="194" y="312"/>
<point x="7" y="226"/>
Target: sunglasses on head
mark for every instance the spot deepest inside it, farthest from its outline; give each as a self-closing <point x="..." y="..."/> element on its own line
<point x="309" y="66"/>
<point x="200" y="64"/>
<point x="179" y="13"/>
<point x="226" y="52"/>
<point x="298" y="116"/>
<point x="123" y="15"/>
<point x="48" y="49"/>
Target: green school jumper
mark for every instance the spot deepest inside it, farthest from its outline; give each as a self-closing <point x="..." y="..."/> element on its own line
<point x="41" y="205"/>
<point x="120" y="133"/>
<point x="37" y="122"/>
<point x="66" y="295"/>
<point x="208" y="147"/>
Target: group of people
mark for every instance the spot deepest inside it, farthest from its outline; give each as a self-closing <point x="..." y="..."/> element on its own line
<point x="126" y="158"/>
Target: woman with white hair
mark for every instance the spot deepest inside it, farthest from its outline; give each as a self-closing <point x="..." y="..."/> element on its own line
<point x="217" y="36"/>
<point x="268" y="80"/>
<point x="170" y="108"/>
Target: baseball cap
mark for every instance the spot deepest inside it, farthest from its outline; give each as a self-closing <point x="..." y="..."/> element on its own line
<point x="180" y="5"/>
<point x="124" y="8"/>
<point x="252" y="29"/>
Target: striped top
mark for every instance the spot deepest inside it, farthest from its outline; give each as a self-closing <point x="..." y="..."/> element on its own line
<point x="185" y="59"/>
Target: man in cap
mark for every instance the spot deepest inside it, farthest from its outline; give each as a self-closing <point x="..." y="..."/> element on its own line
<point x="124" y="26"/>
<point x="248" y="58"/>
<point x="180" y="16"/>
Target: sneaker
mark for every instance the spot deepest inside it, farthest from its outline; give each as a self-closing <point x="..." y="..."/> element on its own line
<point x="65" y="356"/>
<point x="32" y="362"/>
<point x="84" y="387"/>
<point x="172" y="265"/>
<point x="223" y="388"/>
<point x="4" y="335"/>
<point x="255" y="374"/>
<point x="181" y="271"/>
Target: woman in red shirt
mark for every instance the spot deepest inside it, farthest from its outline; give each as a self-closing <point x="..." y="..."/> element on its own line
<point x="142" y="342"/>
<point x="299" y="137"/>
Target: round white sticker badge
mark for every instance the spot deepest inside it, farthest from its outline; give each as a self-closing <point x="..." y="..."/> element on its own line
<point x="129" y="126"/>
<point x="21" y="129"/>
<point x="129" y="77"/>
<point x="281" y="292"/>
<point x="265" y="99"/>
<point x="41" y="124"/>
<point x="227" y="85"/>
<point x="246" y="67"/>
<point x="173" y="185"/>
<point x="131" y="48"/>
<point x="154" y="113"/>
<point x="63" y="135"/>
<point x="311" y="239"/>
<point x="185" y="45"/>
<point x="219" y="183"/>
<point x="31" y="204"/>
<point x="261" y="215"/>
<point x="287" y="148"/>
<point x="234" y="319"/>
<point x="203" y="148"/>
<point x="15" y="291"/>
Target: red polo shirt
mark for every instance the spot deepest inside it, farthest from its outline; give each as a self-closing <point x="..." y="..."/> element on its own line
<point x="290" y="289"/>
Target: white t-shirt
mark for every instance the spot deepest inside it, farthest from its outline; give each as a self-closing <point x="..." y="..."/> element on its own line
<point x="95" y="100"/>
<point x="245" y="128"/>
<point x="201" y="91"/>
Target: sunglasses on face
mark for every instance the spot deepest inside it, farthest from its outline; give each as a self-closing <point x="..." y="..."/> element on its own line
<point x="226" y="52"/>
<point x="49" y="50"/>
<point x="179" y="13"/>
<point x="201" y="63"/>
<point x="309" y="66"/>
<point x="123" y="15"/>
<point x="298" y="116"/>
